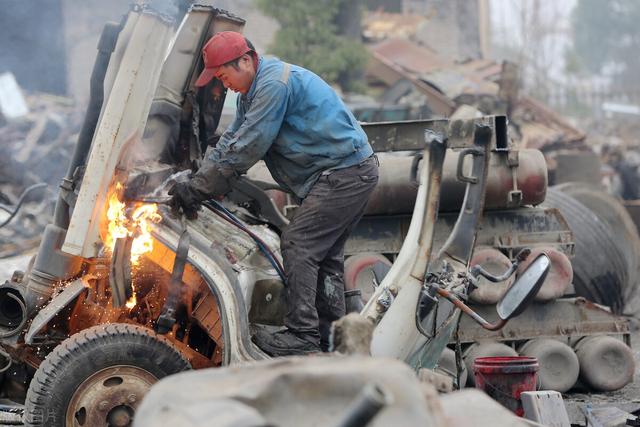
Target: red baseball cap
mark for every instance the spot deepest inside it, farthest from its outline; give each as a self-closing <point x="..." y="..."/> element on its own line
<point x="220" y="49"/>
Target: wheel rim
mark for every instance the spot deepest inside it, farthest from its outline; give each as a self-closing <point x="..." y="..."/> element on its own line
<point x="109" y="397"/>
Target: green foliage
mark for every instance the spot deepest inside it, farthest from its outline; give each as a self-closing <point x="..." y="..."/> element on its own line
<point x="607" y="34"/>
<point x="308" y="37"/>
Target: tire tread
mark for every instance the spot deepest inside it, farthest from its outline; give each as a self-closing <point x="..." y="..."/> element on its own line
<point x="101" y="338"/>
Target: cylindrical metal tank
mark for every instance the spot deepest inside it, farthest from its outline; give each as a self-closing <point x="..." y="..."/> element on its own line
<point x="485" y="349"/>
<point x="395" y="193"/>
<point x="494" y="262"/>
<point x="559" y="366"/>
<point x="606" y="363"/>
<point x="523" y="184"/>
<point x="559" y="277"/>
<point x="359" y="272"/>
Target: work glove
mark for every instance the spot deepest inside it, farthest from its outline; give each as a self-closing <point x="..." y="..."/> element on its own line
<point x="207" y="183"/>
<point x="187" y="199"/>
<point x="211" y="181"/>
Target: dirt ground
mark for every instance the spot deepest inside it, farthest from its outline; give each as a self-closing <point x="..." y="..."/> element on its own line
<point x="9" y="265"/>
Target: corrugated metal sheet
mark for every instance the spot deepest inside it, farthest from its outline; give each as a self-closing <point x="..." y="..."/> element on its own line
<point x="444" y="81"/>
<point x="410" y="56"/>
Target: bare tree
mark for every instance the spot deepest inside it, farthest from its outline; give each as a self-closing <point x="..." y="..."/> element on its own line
<point x="531" y="40"/>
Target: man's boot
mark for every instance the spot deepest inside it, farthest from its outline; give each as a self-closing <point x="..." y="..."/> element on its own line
<point x="285" y="342"/>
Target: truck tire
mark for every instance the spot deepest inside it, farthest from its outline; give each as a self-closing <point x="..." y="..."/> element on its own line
<point x="624" y="231"/>
<point x="600" y="271"/>
<point x="98" y="377"/>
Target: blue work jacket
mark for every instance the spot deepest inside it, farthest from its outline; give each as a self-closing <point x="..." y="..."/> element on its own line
<point x="297" y="123"/>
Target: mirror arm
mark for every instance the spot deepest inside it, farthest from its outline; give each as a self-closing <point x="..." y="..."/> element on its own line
<point x="466" y="309"/>
<point x="477" y="270"/>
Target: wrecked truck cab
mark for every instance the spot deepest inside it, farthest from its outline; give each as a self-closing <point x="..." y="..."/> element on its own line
<point x="78" y="327"/>
<point x="243" y="286"/>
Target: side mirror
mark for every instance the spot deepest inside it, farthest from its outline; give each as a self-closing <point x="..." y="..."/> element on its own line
<point x="514" y="301"/>
<point x="522" y="292"/>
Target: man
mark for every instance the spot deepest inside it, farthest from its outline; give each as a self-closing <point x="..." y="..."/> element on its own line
<point x="315" y="149"/>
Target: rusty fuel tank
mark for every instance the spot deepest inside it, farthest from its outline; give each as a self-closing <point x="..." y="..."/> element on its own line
<point x="513" y="181"/>
<point x="517" y="178"/>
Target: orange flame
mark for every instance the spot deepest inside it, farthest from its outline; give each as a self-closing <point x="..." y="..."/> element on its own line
<point x="131" y="302"/>
<point x="137" y="225"/>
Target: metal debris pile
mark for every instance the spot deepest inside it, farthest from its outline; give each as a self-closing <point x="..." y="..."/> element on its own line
<point x="461" y="89"/>
<point x="35" y="148"/>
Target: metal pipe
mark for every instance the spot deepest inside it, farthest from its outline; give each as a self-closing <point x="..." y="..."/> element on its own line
<point x="23" y="317"/>
<point x="106" y="46"/>
<point x="52" y="265"/>
<point x="467" y="310"/>
<point x="367" y="404"/>
<point x="477" y="270"/>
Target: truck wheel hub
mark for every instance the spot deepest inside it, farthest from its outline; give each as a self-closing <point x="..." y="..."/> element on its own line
<point x="109" y="397"/>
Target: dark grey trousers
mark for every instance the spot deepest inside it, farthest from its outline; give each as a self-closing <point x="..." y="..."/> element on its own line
<point x="313" y="248"/>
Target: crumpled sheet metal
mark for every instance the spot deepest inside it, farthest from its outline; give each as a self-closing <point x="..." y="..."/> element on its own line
<point x="542" y="128"/>
<point x="448" y="84"/>
<point x="296" y="391"/>
<point x="311" y="391"/>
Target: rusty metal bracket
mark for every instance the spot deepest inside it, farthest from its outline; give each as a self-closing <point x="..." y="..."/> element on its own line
<point x="266" y="207"/>
<point x="460" y="243"/>
<point x="409" y="135"/>
<point x="70" y="292"/>
<point x="514" y="198"/>
<point x="570" y="318"/>
<point x="120" y="274"/>
<point x="167" y="318"/>
<point x="476" y="152"/>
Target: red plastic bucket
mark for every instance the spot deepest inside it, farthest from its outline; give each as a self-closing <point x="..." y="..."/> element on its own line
<point x="505" y="378"/>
